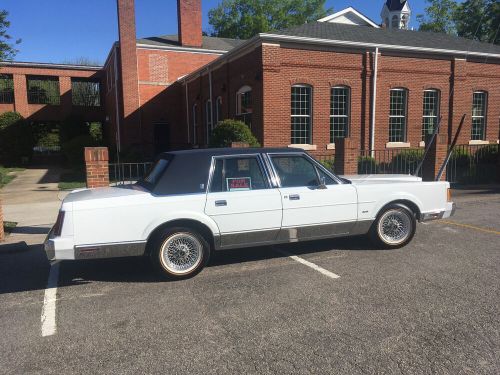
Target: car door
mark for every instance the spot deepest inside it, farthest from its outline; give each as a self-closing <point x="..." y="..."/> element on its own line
<point x="242" y="202"/>
<point x="315" y="204"/>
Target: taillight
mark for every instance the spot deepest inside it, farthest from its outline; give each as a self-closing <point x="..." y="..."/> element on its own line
<point x="59" y="224"/>
<point x="449" y="195"/>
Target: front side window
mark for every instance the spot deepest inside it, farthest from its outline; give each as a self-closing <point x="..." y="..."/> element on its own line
<point x="244" y="105"/>
<point x="398" y="115"/>
<point x="430" y="112"/>
<point x="43" y="90"/>
<point x="339" y="113"/>
<point x="301" y="114"/>
<point x="6" y="89"/>
<point x="295" y="171"/>
<point x="237" y="174"/>
<point x="479" y="104"/>
<point x="85" y="93"/>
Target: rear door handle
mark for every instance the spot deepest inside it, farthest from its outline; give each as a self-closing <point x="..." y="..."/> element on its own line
<point x="294" y="197"/>
<point x="220" y="203"/>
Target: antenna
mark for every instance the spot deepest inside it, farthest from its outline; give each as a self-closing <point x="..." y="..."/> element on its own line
<point x="450" y="150"/>
<point x="428" y="146"/>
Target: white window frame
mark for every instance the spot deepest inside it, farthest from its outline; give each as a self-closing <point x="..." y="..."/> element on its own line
<point x="405" y="116"/>
<point x="438" y="111"/>
<point x="310" y="116"/>
<point x="482" y="117"/>
<point x="346" y="116"/>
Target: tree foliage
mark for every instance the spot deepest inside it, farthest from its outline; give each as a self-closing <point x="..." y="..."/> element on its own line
<point x="243" y="19"/>
<point x="7" y="45"/>
<point x="439" y="16"/>
<point x="229" y="131"/>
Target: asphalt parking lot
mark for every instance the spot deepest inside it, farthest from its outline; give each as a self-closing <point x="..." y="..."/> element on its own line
<point x="429" y="308"/>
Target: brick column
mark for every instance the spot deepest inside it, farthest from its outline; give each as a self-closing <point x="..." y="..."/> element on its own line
<point x="2" y="235"/>
<point x="435" y="158"/>
<point x="65" y="91"/>
<point x="97" y="166"/>
<point x="21" y="95"/>
<point x="346" y="156"/>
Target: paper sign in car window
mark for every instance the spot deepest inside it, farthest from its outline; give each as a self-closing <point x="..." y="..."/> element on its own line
<point x="239" y="184"/>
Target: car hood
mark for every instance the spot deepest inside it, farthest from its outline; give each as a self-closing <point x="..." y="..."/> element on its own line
<point x="381" y="178"/>
<point x="103" y="193"/>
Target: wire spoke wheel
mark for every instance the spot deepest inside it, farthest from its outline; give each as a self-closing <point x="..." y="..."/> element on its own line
<point x="181" y="253"/>
<point x="395" y="226"/>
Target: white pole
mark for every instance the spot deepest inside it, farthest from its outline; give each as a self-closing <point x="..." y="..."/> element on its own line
<point x="374" y="105"/>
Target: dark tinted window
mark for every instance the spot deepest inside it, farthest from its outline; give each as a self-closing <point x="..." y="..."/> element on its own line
<point x="237" y="174"/>
<point x="295" y="171"/>
<point x="156" y="172"/>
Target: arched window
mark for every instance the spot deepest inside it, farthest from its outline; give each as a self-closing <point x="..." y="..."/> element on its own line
<point x="301" y="114"/>
<point x="479" y="108"/>
<point x="195" y="122"/>
<point x="340" y="103"/>
<point x="244" y="105"/>
<point x="395" y="22"/>
<point x="398" y="113"/>
<point x="218" y="110"/>
<point x="430" y="116"/>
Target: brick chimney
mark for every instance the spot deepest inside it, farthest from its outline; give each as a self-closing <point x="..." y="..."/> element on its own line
<point x="189" y="21"/>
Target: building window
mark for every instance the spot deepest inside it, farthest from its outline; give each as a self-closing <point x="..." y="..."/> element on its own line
<point x="208" y="120"/>
<point x="43" y="90"/>
<point x="6" y="89"/>
<point x="395" y="22"/>
<point x="218" y="110"/>
<point x="339" y="112"/>
<point x="195" y="123"/>
<point x="430" y="112"/>
<point x="85" y="93"/>
<point x="479" y="105"/>
<point x="301" y="114"/>
<point x="244" y="105"/>
<point x="397" y="115"/>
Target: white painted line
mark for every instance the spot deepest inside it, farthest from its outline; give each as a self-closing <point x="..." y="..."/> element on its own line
<point x="49" y="302"/>
<point x="309" y="264"/>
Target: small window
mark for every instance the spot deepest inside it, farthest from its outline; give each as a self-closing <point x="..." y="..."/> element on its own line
<point x="395" y="22"/>
<point x="237" y="174"/>
<point x="85" y="93"/>
<point x="6" y="89"/>
<point x="479" y="105"/>
<point x="295" y="171"/>
<point x="339" y="112"/>
<point x="43" y="90"/>
<point x="397" y="115"/>
<point x="301" y="114"/>
<point x="244" y="105"/>
<point x="430" y="112"/>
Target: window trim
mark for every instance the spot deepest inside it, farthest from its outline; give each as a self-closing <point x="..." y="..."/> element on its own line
<point x="484" y="117"/>
<point x="438" y="112"/>
<point x="239" y="94"/>
<point x="8" y="77"/>
<point x="310" y="116"/>
<point x="405" y="117"/>
<point x="348" y="115"/>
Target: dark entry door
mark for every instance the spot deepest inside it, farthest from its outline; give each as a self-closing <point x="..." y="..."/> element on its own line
<point x="161" y="137"/>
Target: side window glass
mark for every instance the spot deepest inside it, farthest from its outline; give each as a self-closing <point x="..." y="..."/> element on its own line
<point x="327" y="179"/>
<point x="295" y="171"/>
<point x="237" y="174"/>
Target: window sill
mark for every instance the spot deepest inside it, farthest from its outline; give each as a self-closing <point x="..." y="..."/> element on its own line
<point x="304" y="147"/>
<point x="421" y="144"/>
<point x="397" y="145"/>
<point x="330" y="146"/>
<point x="471" y="142"/>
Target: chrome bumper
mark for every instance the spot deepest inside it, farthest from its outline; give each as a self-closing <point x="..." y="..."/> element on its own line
<point x="429" y="216"/>
<point x="48" y="245"/>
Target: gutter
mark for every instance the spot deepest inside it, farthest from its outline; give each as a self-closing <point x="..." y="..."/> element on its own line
<point x="374" y="104"/>
<point x="23" y="64"/>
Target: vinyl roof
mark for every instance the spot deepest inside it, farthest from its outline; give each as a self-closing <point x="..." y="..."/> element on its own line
<point x="209" y="42"/>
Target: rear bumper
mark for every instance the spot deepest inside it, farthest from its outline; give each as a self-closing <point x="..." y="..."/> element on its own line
<point x="58" y="248"/>
<point x="436" y="215"/>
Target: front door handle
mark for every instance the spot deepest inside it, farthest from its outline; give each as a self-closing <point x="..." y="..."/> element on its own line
<point x="294" y="197"/>
<point x="220" y="203"/>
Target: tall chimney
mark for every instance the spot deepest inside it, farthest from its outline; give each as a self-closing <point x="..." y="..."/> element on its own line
<point x="189" y="21"/>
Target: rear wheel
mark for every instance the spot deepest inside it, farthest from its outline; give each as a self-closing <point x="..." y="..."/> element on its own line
<point x="180" y="253"/>
<point x="395" y="227"/>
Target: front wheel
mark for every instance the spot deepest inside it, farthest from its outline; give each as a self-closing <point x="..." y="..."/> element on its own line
<point x="394" y="228"/>
<point x="180" y="253"/>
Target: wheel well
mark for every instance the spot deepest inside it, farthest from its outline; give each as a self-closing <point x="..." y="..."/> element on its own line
<point x="185" y="223"/>
<point x="412" y="206"/>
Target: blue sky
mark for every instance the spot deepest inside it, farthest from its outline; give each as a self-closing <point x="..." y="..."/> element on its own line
<point x="63" y="30"/>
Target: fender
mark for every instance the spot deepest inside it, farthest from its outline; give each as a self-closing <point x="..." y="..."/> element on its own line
<point x="396" y="196"/>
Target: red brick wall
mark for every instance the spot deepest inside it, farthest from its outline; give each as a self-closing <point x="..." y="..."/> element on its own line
<point x="189" y="21"/>
<point x="97" y="166"/>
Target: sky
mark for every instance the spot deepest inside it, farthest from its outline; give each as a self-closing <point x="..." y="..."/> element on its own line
<point x="60" y="31"/>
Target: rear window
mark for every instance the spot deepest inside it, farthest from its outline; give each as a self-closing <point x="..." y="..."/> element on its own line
<point x="156" y="172"/>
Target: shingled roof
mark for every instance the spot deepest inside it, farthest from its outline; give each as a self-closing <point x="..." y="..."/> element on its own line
<point x="209" y="42"/>
<point x="394" y="5"/>
<point x="405" y="38"/>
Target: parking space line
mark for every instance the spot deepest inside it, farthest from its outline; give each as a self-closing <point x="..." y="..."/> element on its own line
<point x="470" y="227"/>
<point x="309" y="264"/>
<point x="48" y="317"/>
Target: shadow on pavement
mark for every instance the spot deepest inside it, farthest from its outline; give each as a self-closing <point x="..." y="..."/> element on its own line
<point x="31" y="230"/>
<point x="52" y="176"/>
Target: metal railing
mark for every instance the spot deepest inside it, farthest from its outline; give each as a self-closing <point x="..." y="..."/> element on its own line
<point x="126" y="173"/>
<point x="473" y="164"/>
<point x="391" y="161"/>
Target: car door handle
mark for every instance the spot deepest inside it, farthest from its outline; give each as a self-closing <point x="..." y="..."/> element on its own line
<point x="220" y="203"/>
<point x="294" y="197"/>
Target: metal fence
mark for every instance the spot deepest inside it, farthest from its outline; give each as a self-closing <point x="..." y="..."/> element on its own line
<point x="391" y="161"/>
<point x="126" y="173"/>
<point x="473" y="164"/>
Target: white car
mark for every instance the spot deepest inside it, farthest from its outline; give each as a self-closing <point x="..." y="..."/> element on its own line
<point x="197" y="201"/>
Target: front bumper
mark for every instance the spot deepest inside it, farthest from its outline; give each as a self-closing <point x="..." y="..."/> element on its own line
<point x="436" y="215"/>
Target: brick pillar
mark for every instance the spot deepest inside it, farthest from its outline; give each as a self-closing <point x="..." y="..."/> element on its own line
<point x="346" y="156"/>
<point x="65" y="91"/>
<point x="435" y="158"/>
<point x="97" y="166"/>
<point x="239" y="145"/>
<point x="21" y="95"/>
<point x="189" y="23"/>
<point x="2" y="235"/>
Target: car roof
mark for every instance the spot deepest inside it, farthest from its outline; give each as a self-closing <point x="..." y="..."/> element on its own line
<point x="209" y="152"/>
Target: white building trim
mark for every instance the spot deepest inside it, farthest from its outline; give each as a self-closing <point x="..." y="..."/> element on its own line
<point x="347" y="15"/>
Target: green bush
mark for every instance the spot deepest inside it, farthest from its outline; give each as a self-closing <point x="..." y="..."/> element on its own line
<point x="74" y="149"/>
<point x="406" y="161"/>
<point x="16" y="138"/>
<point x="488" y="154"/>
<point x="229" y="131"/>
<point x="72" y="127"/>
<point x="328" y="163"/>
<point x="367" y="165"/>
<point x="460" y="157"/>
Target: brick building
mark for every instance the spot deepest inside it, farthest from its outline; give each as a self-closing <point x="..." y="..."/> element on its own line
<point x="383" y="86"/>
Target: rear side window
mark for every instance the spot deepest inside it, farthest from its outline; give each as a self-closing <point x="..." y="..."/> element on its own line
<point x="237" y="174"/>
<point x="156" y="172"/>
<point x="295" y="171"/>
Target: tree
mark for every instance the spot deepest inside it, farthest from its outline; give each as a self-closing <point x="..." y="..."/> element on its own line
<point x="229" y="131"/>
<point x="243" y="19"/>
<point x="7" y="49"/>
<point x="439" y="17"/>
<point x="82" y="60"/>
<point x="479" y="20"/>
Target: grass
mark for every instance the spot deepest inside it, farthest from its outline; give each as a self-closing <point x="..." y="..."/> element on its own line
<point x="8" y="226"/>
<point x="6" y="176"/>
<point x="72" y="180"/>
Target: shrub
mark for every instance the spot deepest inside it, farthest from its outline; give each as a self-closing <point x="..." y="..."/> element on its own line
<point x="73" y="149"/>
<point x="72" y="127"/>
<point x="406" y="161"/>
<point x="229" y="131"/>
<point x="328" y="163"/>
<point x="367" y="164"/>
<point x="16" y="138"/>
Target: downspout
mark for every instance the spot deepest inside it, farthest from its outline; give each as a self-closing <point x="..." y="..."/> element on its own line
<point x="118" y="129"/>
<point x="187" y="112"/>
<point x="211" y="105"/>
<point x="374" y="105"/>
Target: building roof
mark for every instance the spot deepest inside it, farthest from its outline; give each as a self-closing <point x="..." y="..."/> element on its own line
<point x="41" y="65"/>
<point x="349" y="16"/>
<point x="404" y="38"/>
<point x="394" y="5"/>
<point x="209" y="42"/>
